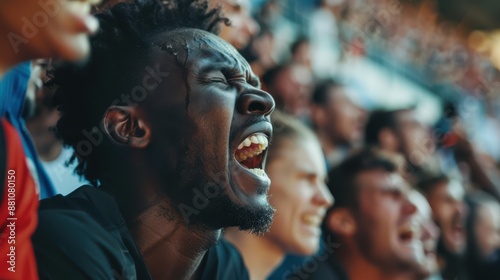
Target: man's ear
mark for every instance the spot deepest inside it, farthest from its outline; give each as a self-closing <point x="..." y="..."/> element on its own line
<point x="341" y="222"/>
<point x="125" y="126"/>
<point x="388" y="140"/>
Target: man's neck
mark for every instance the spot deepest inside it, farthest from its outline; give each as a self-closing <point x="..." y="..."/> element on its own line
<point x="48" y="152"/>
<point x="52" y="153"/>
<point x="260" y="254"/>
<point x="359" y="268"/>
<point x="170" y="248"/>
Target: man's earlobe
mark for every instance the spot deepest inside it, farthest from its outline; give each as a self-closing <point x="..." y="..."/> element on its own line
<point x="124" y="126"/>
<point x="341" y="222"/>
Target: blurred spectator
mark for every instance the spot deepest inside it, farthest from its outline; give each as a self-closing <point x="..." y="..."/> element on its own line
<point x="400" y="131"/>
<point x="242" y="27"/>
<point x="298" y="192"/>
<point x="338" y="121"/>
<point x="483" y="234"/>
<point x="54" y="157"/>
<point x="49" y="28"/>
<point x="258" y="53"/>
<point x="446" y="198"/>
<point x="14" y="107"/>
<point x="426" y="266"/>
<point x="290" y="86"/>
<point x="480" y="168"/>
<point x="324" y="34"/>
<point x="301" y="52"/>
<point x="31" y="29"/>
<point x="272" y="17"/>
<point x="371" y="220"/>
<point x="460" y="157"/>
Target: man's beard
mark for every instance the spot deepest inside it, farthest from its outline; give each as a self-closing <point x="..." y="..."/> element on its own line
<point x="208" y="205"/>
<point x="223" y="212"/>
<point x="386" y="259"/>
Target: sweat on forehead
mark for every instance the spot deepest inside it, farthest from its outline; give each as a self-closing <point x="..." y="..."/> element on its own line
<point x="186" y="44"/>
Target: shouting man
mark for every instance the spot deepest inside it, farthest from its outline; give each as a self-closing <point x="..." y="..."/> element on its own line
<point x="169" y="121"/>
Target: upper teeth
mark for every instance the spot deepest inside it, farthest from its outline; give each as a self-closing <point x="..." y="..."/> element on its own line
<point x="260" y="142"/>
<point x="313" y="220"/>
<point x="412" y="229"/>
<point x="256" y="139"/>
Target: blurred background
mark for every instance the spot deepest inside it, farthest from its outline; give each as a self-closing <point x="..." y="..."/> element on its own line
<point x="437" y="57"/>
<point x="389" y="54"/>
<point x="416" y="78"/>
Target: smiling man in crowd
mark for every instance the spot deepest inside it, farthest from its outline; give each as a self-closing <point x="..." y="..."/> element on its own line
<point x="371" y="220"/>
<point x="401" y="131"/>
<point x="446" y="197"/>
<point x="169" y="121"/>
<point x="331" y="101"/>
<point x="372" y="217"/>
<point x="426" y="266"/>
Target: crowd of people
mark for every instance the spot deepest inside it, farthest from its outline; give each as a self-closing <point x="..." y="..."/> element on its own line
<point x="217" y="139"/>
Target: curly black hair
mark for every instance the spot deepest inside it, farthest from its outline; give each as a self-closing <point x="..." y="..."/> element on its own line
<point x="84" y="92"/>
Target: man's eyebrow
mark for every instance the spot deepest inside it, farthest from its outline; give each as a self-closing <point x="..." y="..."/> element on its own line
<point x="231" y="71"/>
<point x="253" y="81"/>
<point x="217" y="66"/>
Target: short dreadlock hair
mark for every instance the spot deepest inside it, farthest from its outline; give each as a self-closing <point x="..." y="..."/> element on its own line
<point x="84" y="92"/>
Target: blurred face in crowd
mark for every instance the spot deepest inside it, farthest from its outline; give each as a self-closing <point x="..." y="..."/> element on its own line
<point x="487" y="228"/>
<point x="209" y="130"/>
<point x="383" y="220"/>
<point x="415" y="139"/>
<point x="349" y="118"/>
<point x="261" y="46"/>
<point x="299" y="194"/>
<point x="449" y="211"/>
<point x="35" y="92"/>
<point x="427" y="232"/>
<point x="294" y="86"/>
<point x="47" y="28"/>
<point x="302" y="54"/>
<point x="40" y="117"/>
<point x="243" y="27"/>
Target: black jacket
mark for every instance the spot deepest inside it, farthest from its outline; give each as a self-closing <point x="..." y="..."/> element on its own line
<point x="84" y="236"/>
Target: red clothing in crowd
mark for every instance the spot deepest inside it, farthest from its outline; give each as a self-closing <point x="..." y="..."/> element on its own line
<point x="18" y="208"/>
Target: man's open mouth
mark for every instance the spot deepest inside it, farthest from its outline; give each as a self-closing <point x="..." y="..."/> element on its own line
<point x="251" y="151"/>
<point x="409" y="232"/>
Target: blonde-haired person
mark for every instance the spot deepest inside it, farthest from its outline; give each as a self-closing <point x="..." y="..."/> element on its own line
<point x="297" y="170"/>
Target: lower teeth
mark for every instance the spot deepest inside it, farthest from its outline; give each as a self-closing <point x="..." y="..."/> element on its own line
<point x="257" y="171"/>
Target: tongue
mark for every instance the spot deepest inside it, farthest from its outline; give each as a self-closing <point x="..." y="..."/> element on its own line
<point x="251" y="163"/>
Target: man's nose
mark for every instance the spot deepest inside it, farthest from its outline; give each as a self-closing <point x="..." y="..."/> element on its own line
<point x="323" y="197"/>
<point x="255" y="102"/>
<point x="408" y="207"/>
